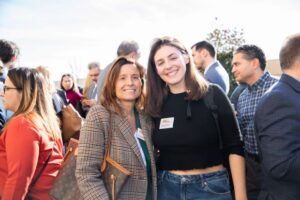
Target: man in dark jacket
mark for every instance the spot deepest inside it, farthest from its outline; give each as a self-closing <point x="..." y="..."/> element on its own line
<point x="277" y="126"/>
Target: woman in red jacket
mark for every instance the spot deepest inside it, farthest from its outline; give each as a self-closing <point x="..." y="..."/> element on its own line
<point x="30" y="144"/>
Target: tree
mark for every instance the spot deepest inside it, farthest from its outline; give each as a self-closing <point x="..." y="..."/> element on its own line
<point x="225" y="42"/>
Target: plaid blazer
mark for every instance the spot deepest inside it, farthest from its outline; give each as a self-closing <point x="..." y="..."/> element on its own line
<point x="124" y="150"/>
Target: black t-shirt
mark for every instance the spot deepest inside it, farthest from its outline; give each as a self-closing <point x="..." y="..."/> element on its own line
<point x="193" y="143"/>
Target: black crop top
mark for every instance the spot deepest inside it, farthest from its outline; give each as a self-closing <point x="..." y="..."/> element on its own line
<point x="192" y="143"/>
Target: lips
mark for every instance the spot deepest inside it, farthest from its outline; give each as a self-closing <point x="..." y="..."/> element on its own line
<point x="129" y="90"/>
<point x="172" y="73"/>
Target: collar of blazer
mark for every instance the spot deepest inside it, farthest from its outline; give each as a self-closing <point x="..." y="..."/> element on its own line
<point x="295" y="84"/>
<point x="125" y="129"/>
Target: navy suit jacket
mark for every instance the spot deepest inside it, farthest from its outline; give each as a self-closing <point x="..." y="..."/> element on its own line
<point x="277" y="123"/>
<point x="217" y="74"/>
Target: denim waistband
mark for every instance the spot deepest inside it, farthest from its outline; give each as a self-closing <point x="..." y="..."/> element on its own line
<point x="164" y="174"/>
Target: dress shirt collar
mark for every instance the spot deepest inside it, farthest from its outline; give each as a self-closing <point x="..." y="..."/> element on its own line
<point x="260" y="82"/>
<point x="209" y="66"/>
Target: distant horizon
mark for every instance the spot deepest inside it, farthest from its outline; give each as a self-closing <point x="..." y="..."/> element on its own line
<point x="75" y="32"/>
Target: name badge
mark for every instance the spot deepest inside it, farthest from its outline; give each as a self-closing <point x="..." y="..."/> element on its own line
<point x="139" y="134"/>
<point x="166" y="123"/>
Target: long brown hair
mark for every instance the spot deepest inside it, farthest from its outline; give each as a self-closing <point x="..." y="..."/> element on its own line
<point x="108" y="96"/>
<point x="157" y="89"/>
<point x="36" y="101"/>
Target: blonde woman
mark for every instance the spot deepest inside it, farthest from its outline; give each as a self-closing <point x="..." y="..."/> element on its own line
<point x="31" y="150"/>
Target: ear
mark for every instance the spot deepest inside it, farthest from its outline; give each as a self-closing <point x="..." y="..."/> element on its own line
<point x="204" y="52"/>
<point x="255" y="63"/>
<point x="13" y="59"/>
<point x="186" y="58"/>
<point x="130" y="56"/>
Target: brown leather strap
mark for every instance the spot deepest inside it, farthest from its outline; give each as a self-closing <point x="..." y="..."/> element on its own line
<point x="108" y="144"/>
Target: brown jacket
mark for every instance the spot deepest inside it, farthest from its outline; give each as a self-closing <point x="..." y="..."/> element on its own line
<point x="124" y="150"/>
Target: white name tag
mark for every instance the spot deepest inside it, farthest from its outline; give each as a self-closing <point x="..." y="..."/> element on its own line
<point x="139" y="134"/>
<point x="166" y="123"/>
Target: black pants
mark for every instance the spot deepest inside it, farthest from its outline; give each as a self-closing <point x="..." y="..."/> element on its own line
<point x="253" y="176"/>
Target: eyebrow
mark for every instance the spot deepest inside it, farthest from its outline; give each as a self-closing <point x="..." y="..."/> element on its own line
<point x="172" y="54"/>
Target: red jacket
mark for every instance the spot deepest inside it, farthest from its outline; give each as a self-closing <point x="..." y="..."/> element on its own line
<point x="23" y="152"/>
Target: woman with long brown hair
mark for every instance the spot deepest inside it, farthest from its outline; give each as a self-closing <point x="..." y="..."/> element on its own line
<point x="190" y="143"/>
<point x="120" y="114"/>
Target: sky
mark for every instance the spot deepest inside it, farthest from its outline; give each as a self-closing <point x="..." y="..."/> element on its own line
<point x="64" y="33"/>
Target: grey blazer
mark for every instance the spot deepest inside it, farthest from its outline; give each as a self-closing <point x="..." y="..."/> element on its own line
<point x="101" y="80"/>
<point x="124" y="150"/>
<point x="218" y="75"/>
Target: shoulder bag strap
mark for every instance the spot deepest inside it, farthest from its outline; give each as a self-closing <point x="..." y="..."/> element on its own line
<point x="210" y="104"/>
<point x="33" y="182"/>
<point x="107" y="146"/>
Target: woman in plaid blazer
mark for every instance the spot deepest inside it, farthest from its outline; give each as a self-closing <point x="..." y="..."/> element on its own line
<point x="122" y="100"/>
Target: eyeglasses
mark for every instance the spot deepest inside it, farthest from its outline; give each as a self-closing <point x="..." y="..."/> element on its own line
<point x="6" y="88"/>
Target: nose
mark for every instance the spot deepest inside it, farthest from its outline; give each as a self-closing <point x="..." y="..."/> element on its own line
<point x="1" y="93"/>
<point x="129" y="81"/>
<point x="233" y="69"/>
<point x="168" y="65"/>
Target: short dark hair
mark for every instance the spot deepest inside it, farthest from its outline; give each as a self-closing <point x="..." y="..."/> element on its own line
<point x="205" y="45"/>
<point x="251" y="52"/>
<point x="290" y="51"/>
<point x="8" y="50"/>
<point x="126" y="47"/>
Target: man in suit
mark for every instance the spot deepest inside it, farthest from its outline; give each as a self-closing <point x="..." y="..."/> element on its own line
<point x="128" y="49"/>
<point x="91" y="94"/>
<point x="277" y="125"/>
<point x="248" y="66"/>
<point x="204" y="55"/>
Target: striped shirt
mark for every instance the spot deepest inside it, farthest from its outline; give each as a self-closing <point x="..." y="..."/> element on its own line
<point x="246" y="106"/>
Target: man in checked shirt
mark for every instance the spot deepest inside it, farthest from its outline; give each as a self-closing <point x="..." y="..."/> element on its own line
<point x="248" y="66"/>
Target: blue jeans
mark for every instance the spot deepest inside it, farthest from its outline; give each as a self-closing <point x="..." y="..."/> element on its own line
<point x="210" y="186"/>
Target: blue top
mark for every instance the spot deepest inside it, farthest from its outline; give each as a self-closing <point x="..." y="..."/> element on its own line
<point x="217" y="74"/>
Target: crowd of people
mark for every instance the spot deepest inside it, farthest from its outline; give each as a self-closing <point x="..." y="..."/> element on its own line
<point x="171" y="125"/>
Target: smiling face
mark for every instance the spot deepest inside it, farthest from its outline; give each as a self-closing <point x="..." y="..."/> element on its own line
<point x="128" y="84"/>
<point x="11" y="97"/>
<point x="171" y="67"/>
